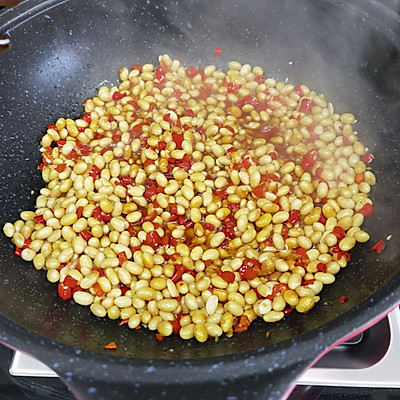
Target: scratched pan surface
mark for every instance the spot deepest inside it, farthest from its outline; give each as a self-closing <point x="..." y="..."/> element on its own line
<point x="64" y="50"/>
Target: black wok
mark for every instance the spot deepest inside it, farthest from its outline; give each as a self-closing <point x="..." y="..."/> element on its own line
<point x="63" y="50"/>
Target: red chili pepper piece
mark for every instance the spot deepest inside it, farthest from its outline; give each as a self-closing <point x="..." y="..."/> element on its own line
<point x="176" y="326"/>
<point x="73" y="155"/>
<point x="378" y="247"/>
<point x="243" y="324"/>
<point x="346" y="141"/>
<point x="306" y="105"/>
<point x="97" y="213"/>
<point x="52" y="127"/>
<point x="273" y="155"/>
<point x="217" y="51"/>
<point x="111" y="346"/>
<point x="122" y="257"/>
<point x="96" y="287"/>
<point x="208" y="227"/>
<point x="123" y="322"/>
<point x="310" y="159"/>
<point x="342" y="299"/>
<point x="27" y="242"/>
<point x="159" y="337"/>
<point x="95" y="172"/>
<point x="60" y="168"/>
<point x="249" y="269"/>
<point x="178" y="139"/>
<point x="18" y="251"/>
<point x="173" y="242"/>
<point x="339" y="232"/>
<point x="173" y="208"/>
<point x="64" y="292"/>
<point x="136" y="66"/>
<point x="177" y="94"/>
<point x="179" y="271"/>
<point x="86" y="235"/>
<point x="126" y="180"/>
<point x="118" y="96"/>
<point x="161" y="145"/>
<point x="87" y="118"/>
<point x="227" y="276"/>
<point x="260" y="78"/>
<point x="39" y="219"/>
<point x="106" y="217"/>
<point x="116" y="138"/>
<point x="366" y="210"/>
<point x="359" y="178"/>
<point x="61" y="143"/>
<point x="70" y="281"/>
<point x="368" y="158"/>
<point x="302" y="254"/>
<point x="299" y="90"/>
<point x="77" y="288"/>
<point x="191" y="72"/>
<point x="260" y="190"/>
<point x="287" y="311"/>
<point x="124" y="289"/>
<point x="322" y="267"/>
<point x="153" y="239"/>
<point x="221" y="193"/>
<point x="189" y="113"/>
<point x="233" y="87"/>
<point x="309" y="282"/>
<point x="137" y="128"/>
<point x="79" y="211"/>
<point x="294" y="217"/>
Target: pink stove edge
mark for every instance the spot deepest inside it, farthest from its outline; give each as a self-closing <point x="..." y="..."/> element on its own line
<point x="340" y="341"/>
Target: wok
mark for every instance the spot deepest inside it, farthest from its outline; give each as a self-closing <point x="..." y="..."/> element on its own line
<point x="64" y="50"/>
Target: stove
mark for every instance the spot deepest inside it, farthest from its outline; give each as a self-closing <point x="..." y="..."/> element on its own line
<point x="367" y="363"/>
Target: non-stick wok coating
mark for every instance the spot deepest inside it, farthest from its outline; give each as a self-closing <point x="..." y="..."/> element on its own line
<point x="64" y="50"/>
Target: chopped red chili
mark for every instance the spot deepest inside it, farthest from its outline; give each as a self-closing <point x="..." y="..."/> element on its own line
<point x="227" y="276"/>
<point x="339" y="232"/>
<point x="366" y="210"/>
<point x="378" y="247"/>
<point x="299" y="90"/>
<point x="97" y="289"/>
<point x="39" y="219"/>
<point x="86" y="235"/>
<point x="368" y="158"/>
<point x="243" y="324"/>
<point x="260" y="190"/>
<point x="111" y="346"/>
<point x="70" y="281"/>
<point x="118" y="96"/>
<point x="179" y="271"/>
<point x="65" y="292"/>
<point x="294" y="217"/>
<point x="217" y="51"/>
<point x="27" y="243"/>
<point x="159" y="337"/>
<point x="306" y="105"/>
<point x="322" y="267"/>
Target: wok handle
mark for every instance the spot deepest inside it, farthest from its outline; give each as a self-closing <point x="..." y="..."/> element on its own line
<point x="274" y="385"/>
